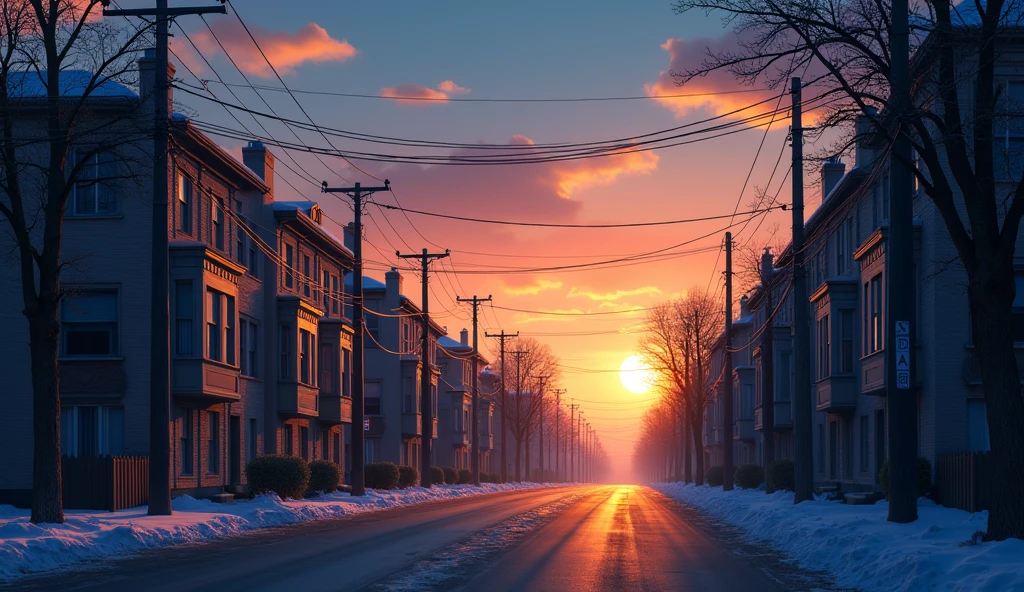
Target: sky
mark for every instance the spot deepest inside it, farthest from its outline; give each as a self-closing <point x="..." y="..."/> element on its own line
<point x="522" y="50"/>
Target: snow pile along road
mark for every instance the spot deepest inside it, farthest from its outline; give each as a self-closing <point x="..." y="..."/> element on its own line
<point x="860" y="548"/>
<point x="90" y="535"/>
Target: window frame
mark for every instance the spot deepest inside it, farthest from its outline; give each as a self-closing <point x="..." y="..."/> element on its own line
<point x="213" y="435"/>
<point x="186" y="198"/>
<point x="95" y="182"/>
<point x="113" y="326"/>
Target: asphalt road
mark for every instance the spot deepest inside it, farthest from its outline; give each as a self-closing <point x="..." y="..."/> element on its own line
<point x="620" y="538"/>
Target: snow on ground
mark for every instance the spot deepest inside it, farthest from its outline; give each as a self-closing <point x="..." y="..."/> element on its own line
<point x="87" y="535"/>
<point x="860" y="548"/>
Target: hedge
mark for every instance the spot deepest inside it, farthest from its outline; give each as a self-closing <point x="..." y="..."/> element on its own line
<point x="408" y="477"/>
<point x="780" y="475"/>
<point x="714" y="476"/>
<point x="748" y="476"/>
<point x="437" y="475"/>
<point x="924" y="477"/>
<point x="465" y="476"/>
<point x="382" y="475"/>
<point x="287" y="476"/>
<point x="324" y="476"/>
<point x="451" y="476"/>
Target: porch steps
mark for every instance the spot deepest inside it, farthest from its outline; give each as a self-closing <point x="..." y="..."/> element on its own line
<point x="222" y="498"/>
<point x="862" y="499"/>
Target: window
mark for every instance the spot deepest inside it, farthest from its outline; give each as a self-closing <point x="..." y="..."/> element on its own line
<point x="289" y="263"/>
<point x="873" y="315"/>
<point x="213" y="321"/>
<point x="408" y="395"/>
<point x="220" y="327"/>
<point x="213" y="442"/>
<point x="1017" y="315"/>
<point x="186" y="416"/>
<point x="289" y="440"/>
<point x="248" y="347"/>
<point x="286" y="349"/>
<point x="784" y="373"/>
<point x="371" y="401"/>
<point x="337" y="449"/>
<point x="89" y="430"/>
<point x="841" y="252"/>
<point x="370" y="450"/>
<point x="336" y="296"/>
<point x="1009" y="132"/>
<point x="305" y="275"/>
<point x="307" y="365"/>
<point x="824" y="348"/>
<point x="89" y="324"/>
<point x="327" y="292"/>
<point x="864" y="454"/>
<point x="977" y="426"/>
<point x="747" y="408"/>
<point x="847" y="427"/>
<point x="346" y="363"/>
<point x="184" y="309"/>
<point x="833" y="450"/>
<point x="328" y="359"/>
<point x="821" y="448"/>
<point x="304" y="442"/>
<point x="184" y="204"/>
<point x="254" y="260"/>
<point x="250" y="453"/>
<point x="217" y="223"/>
<point x="229" y="331"/>
<point x="371" y="321"/>
<point x="846" y="341"/>
<point x="94" y="192"/>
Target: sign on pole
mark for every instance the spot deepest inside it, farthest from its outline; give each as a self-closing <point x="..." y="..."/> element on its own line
<point x="366" y="424"/>
<point x="903" y="355"/>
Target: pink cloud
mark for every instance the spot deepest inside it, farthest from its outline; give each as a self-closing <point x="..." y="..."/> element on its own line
<point x="286" y="51"/>
<point x="417" y="94"/>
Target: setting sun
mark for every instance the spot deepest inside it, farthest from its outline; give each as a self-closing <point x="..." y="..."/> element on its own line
<point x="636" y="375"/>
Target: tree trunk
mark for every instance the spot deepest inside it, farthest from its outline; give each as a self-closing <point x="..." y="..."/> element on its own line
<point x="991" y="297"/>
<point x="529" y="477"/>
<point x="687" y="454"/>
<point x="698" y="435"/>
<point x="46" y="475"/>
<point x="519" y="450"/>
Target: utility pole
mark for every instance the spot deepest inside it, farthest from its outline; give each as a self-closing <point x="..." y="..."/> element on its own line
<point x="571" y="451"/>
<point x="357" y="193"/>
<point x="475" y="407"/>
<point x="901" y="319"/>
<point x="519" y="353"/>
<point x="727" y="467"/>
<point x="501" y="337"/>
<point x="540" y="446"/>
<point x="803" y="462"/>
<point x="579" y="446"/>
<point x="426" y="401"/>
<point x="160" y="328"/>
<point x="768" y="365"/>
<point x="558" y="412"/>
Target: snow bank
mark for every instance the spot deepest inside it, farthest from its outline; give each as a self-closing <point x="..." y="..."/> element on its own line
<point x="85" y="535"/>
<point x="860" y="548"/>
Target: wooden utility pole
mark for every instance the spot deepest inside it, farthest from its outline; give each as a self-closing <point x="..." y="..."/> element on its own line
<point x="501" y="337"/>
<point x="803" y="461"/>
<point x="727" y="446"/>
<point x="571" y="451"/>
<point x="540" y="446"/>
<point x="426" y="400"/>
<point x="901" y="387"/>
<point x="558" y="412"/>
<point x="357" y="193"/>
<point x="475" y="441"/>
<point x="768" y="365"/>
<point x="519" y="353"/>
<point x="160" y="329"/>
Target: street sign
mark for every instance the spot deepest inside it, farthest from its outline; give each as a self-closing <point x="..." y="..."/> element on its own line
<point x="903" y="355"/>
<point x="366" y="425"/>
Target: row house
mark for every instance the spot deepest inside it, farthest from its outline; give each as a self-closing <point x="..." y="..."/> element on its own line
<point x="744" y="444"/>
<point x="259" y="346"/>
<point x="455" y="440"/>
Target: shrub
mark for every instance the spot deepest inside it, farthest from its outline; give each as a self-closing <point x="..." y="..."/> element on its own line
<point x="382" y="475"/>
<point x="451" y="476"/>
<point x="714" y="476"/>
<point x="408" y="477"/>
<point x="924" y="477"/>
<point x="781" y="476"/>
<point x="465" y="476"/>
<point x="748" y="476"/>
<point x="437" y="475"/>
<point x="287" y="476"/>
<point x="323" y="476"/>
<point x="491" y="477"/>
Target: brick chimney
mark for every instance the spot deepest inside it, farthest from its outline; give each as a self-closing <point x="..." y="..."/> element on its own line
<point x="259" y="160"/>
<point x="350" y="236"/>
<point x="464" y="337"/>
<point x="831" y="173"/>
<point x="767" y="267"/>
<point x="393" y="282"/>
<point x="147" y="80"/>
<point x="744" y="307"/>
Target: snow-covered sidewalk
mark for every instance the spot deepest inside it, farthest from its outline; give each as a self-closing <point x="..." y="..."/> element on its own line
<point x="860" y="548"/>
<point x="85" y="535"/>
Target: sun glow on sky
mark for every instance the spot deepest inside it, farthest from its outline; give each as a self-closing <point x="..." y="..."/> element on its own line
<point x="636" y="375"/>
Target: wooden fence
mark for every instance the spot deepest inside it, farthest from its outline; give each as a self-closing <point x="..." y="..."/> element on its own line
<point x="962" y="480"/>
<point x="105" y="482"/>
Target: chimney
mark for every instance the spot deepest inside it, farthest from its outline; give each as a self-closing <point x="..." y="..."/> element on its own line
<point x="767" y="267"/>
<point x="350" y="236"/>
<point x="831" y="173"/>
<point x="464" y="337"/>
<point x="393" y="283"/>
<point x="259" y="160"/>
<point x="147" y="80"/>
<point x="865" y="154"/>
<point x="744" y="306"/>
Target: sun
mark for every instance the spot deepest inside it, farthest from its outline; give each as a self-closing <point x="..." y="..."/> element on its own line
<point x="636" y="375"/>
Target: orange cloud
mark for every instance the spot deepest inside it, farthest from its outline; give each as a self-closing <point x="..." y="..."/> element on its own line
<point x="685" y="55"/>
<point x="609" y="296"/>
<point x="538" y="286"/>
<point x="286" y="51"/>
<point x="575" y="176"/>
<point x="417" y="94"/>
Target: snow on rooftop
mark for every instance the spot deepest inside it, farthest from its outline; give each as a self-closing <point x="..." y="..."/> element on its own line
<point x="368" y="283"/>
<point x="72" y="84"/>
<point x="449" y="343"/>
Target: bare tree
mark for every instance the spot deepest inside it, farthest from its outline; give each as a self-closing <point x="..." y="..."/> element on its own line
<point x="958" y="101"/>
<point x="522" y="408"/>
<point x="57" y="60"/>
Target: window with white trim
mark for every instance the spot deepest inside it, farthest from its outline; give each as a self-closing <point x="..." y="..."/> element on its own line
<point x="184" y="204"/>
<point x="874" y="320"/>
<point x="94" y="192"/>
<point x="824" y="348"/>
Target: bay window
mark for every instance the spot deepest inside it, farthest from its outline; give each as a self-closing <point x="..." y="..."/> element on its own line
<point x="874" y="321"/>
<point x="824" y="348"/>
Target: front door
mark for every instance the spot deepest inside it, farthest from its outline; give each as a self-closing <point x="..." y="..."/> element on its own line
<point x="235" y="448"/>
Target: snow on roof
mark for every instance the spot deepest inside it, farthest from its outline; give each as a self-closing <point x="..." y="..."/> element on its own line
<point x="449" y="343"/>
<point x="306" y="207"/>
<point x="72" y="84"/>
<point x="368" y="283"/>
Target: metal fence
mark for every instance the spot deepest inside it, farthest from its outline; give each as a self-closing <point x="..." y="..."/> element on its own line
<point x="962" y="480"/>
<point x="104" y="482"/>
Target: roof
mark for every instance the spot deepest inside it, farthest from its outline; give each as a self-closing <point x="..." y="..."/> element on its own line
<point x="368" y="283"/>
<point x="449" y="343"/>
<point x="73" y="83"/>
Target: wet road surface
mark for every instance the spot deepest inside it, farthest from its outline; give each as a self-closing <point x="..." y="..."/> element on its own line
<point x="582" y="538"/>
